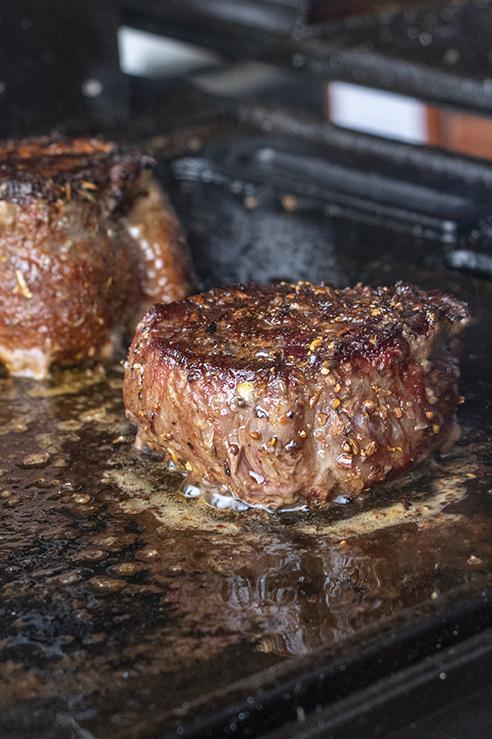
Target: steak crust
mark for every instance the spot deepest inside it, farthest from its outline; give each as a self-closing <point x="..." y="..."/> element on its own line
<point x="295" y="393"/>
<point x="87" y="242"/>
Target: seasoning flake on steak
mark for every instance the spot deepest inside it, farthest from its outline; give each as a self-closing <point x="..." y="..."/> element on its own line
<point x="87" y="243"/>
<point x="295" y="393"/>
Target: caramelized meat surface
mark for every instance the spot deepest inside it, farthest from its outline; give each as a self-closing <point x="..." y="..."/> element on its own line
<point x="87" y="242"/>
<point x="295" y="393"/>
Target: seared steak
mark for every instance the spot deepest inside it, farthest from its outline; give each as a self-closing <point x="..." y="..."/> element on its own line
<point x="295" y="393"/>
<point x="87" y="243"/>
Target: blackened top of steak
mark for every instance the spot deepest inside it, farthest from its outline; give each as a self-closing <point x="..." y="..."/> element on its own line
<point x="66" y="169"/>
<point x="300" y="329"/>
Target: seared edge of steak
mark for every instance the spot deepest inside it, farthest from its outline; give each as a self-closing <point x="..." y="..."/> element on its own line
<point x="66" y="169"/>
<point x="291" y="392"/>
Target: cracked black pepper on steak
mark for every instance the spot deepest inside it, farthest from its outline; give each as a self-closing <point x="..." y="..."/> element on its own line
<point x="295" y="393"/>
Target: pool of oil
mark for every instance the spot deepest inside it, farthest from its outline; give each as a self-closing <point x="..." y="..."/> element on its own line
<point x="121" y="598"/>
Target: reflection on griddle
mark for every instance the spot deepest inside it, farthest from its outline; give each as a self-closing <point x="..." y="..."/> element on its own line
<point x="302" y="600"/>
<point x="292" y="596"/>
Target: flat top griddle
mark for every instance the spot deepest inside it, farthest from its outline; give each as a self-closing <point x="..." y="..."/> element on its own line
<point x="128" y="610"/>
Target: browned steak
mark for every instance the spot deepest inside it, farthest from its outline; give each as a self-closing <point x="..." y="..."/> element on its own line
<point x="87" y="242"/>
<point x="296" y="393"/>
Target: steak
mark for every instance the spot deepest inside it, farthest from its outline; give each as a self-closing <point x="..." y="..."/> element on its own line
<point x="87" y="243"/>
<point x="296" y="393"/>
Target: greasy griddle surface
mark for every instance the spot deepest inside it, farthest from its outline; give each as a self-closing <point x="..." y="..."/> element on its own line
<point x="120" y="597"/>
<point x="124" y="606"/>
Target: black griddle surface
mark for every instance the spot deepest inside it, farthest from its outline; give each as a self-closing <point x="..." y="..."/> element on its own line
<point x="127" y="610"/>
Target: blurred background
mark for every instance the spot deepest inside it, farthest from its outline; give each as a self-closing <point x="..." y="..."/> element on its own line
<point x="391" y="68"/>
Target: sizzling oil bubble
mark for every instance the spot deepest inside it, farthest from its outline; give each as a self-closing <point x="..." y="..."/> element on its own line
<point x="107" y="584"/>
<point x="68" y="578"/>
<point x="100" y="415"/>
<point x="127" y="568"/>
<point x="67" y="383"/>
<point x="90" y="555"/>
<point x="37" y="461"/>
<point x="343" y="500"/>
<point x="151" y="488"/>
<point x="15" y="426"/>
<point x="223" y="502"/>
<point x="70" y="425"/>
<point x="82" y="499"/>
<point x="191" y="491"/>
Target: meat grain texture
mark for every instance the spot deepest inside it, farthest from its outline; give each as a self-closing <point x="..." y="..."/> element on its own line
<point x="295" y="393"/>
<point x="87" y="242"/>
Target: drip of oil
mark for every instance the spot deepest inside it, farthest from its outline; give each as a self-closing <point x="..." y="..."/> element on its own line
<point x="227" y="501"/>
